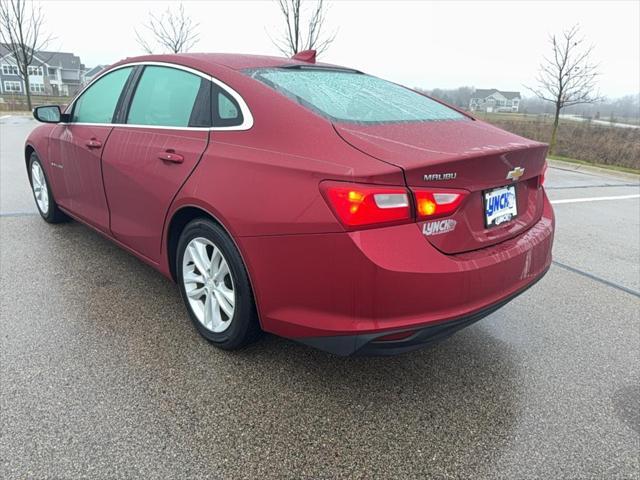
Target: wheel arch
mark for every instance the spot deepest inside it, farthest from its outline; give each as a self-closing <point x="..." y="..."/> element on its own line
<point x="180" y="218"/>
<point x="28" y="151"/>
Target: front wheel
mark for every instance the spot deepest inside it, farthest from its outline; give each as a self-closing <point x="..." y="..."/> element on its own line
<point x="47" y="206"/>
<point x="215" y="286"/>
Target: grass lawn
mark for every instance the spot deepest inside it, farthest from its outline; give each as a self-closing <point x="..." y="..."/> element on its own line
<point x="515" y="117"/>
<point x="588" y="142"/>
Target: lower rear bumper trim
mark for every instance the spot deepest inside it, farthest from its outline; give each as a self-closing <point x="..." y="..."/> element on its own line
<point x="366" y="344"/>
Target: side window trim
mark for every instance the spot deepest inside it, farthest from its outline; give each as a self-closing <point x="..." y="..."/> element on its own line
<point x="129" y="90"/>
<point x="247" y="116"/>
<point x="217" y="119"/>
<point x="202" y="111"/>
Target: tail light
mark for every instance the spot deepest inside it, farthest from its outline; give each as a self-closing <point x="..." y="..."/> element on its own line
<point x="362" y="205"/>
<point x="434" y="203"/>
<point x="358" y="205"/>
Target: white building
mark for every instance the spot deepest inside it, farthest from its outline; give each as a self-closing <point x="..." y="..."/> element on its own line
<point x="494" y="100"/>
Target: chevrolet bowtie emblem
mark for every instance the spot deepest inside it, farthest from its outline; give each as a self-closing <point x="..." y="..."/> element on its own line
<point x="515" y="174"/>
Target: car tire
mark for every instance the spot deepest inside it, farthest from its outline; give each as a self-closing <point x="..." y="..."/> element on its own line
<point x="42" y="194"/>
<point x="219" y="299"/>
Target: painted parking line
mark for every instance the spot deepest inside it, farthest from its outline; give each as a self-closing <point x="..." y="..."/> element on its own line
<point x="597" y="278"/>
<point x="594" y="185"/>
<point x="18" y="214"/>
<point x="594" y="199"/>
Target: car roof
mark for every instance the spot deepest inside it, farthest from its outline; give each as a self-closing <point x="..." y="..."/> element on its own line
<point x="233" y="61"/>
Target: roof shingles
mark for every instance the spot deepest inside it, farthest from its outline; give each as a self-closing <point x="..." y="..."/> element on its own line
<point x="64" y="60"/>
<point x="485" y="92"/>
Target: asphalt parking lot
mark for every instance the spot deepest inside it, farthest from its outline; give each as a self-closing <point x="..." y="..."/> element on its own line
<point x="103" y="376"/>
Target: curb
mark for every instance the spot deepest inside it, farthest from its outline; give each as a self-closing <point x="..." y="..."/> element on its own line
<point x="578" y="167"/>
<point x="5" y="114"/>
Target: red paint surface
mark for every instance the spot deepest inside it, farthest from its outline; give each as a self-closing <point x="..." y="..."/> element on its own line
<point x="310" y="276"/>
<point x="140" y="186"/>
<point x="77" y="176"/>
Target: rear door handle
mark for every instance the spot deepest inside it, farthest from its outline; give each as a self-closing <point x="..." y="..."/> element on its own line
<point x="171" y="156"/>
<point x="94" y="143"/>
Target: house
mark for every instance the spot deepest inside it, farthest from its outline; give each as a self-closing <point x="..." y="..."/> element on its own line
<point x="494" y="100"/>
<point x="90" y="73"/>
<point x="51" y="73"/>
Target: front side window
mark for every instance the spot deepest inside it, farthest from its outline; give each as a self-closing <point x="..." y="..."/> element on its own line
<point x="165" y="97"/>
<point x="98" y="103"/>
<point x="348" y="96"/>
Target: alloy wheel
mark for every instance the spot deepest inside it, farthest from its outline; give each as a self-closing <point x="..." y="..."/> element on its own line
<point x="208" y="284"/>
<point x="39" y="185"/>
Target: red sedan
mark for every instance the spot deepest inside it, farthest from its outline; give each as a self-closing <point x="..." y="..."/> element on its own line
<point x="307" y="200"/>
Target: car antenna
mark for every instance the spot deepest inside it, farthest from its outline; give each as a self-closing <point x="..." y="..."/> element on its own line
<point x="308" y="56"/>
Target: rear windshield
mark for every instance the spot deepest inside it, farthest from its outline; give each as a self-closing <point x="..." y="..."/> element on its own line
<point x="348" y="96"/>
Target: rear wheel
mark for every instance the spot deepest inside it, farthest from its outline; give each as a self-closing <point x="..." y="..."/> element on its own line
<point x="215" y="286"/>
<point x="42" y="192"/>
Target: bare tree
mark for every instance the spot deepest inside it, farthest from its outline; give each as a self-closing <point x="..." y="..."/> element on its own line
<point x="303" y="27"/>
<point x="568" y="78"/>
<point x="172" y="31"/>
<point x="21" y="30"/>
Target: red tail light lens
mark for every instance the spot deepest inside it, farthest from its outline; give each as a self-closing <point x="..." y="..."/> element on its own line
<point x="358" y="205"/>
<point x="434" y="203"/>
<point x="543" y="177"/>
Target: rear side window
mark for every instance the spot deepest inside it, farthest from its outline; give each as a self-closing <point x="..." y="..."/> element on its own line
<point x="347" y="96"/>
<point x="227" y="112"/>
<point x="165" y="97"/>
<point x="98" y="103"/>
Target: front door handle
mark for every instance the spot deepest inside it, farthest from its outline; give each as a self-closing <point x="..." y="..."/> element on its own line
<point x="170" y="155"/>
<point x="94" y="143"/>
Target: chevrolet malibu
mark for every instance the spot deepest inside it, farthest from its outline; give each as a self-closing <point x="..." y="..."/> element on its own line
<point x="308" y="200"/>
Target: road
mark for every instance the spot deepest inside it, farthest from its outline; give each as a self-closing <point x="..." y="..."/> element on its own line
<point x="103" y="376"/>
<point x="578" y="118"/>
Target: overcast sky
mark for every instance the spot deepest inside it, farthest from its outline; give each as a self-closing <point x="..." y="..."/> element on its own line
<point x="418" y="43"/>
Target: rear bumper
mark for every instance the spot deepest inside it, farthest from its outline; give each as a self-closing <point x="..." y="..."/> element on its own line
<point x="367" y="344"/>
<point x="341" y="291"/>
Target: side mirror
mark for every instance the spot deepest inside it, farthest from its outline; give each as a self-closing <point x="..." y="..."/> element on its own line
<point x="50" y="114"/>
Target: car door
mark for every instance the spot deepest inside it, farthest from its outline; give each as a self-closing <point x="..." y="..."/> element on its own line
<point x="76" y="148"/>
<point x="147" y="160"/>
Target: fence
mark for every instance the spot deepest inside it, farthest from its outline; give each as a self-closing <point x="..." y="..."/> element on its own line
<point x="18" y="103"/>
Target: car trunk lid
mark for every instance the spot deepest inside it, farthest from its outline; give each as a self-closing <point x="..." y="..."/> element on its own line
<point x="462" y="154"/>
